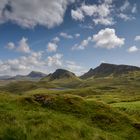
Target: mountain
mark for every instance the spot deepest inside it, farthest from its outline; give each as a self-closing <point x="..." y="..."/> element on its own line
<point x="5" y="77"/>
<point x="106" y="69"/>
<point x="34" y="75"/>
<point x="60" y="74"/>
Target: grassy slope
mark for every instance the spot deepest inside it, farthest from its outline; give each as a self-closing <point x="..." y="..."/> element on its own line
<point x="85" y="116"/>
<point x="131" y="108"/>
<point x="61" y="117"/>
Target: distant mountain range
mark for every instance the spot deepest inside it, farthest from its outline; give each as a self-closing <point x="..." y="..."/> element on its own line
<point x="5" y="77"/>
<point x="103" y="70"/>
<point x="106" y="69"/>
<point x="34" y="75"/>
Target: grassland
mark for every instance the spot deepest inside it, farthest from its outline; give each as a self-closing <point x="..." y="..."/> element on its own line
<point x="93" y="109"/>
<point x="131" y="108"/>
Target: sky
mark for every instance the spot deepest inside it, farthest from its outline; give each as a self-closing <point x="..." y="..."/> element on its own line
<point x="44" y="35"/>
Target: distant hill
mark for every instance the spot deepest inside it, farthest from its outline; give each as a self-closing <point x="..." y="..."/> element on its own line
<point x="60" y="74"/>
<point x="5" y="77"/>
<point x="106" y="69"/>
<point x="34" y="75"/>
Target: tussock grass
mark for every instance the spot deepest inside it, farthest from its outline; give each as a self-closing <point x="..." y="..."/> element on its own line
<point x="92" y="109"/>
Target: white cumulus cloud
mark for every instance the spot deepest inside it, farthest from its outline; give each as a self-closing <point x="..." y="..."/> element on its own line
<point x="23" y="46"/>
<point x="104" y="12"/>
<point x="56" y="39"/>
<point x="133" y="49"/>
<point x="55" y="60"/>
<point x="23" y="64"/>
<point x="77" y="14"/>
<point x="137" y="38"/>
<point x="10" y="46"/>
<point x="100" y="13"/>
<point x="83" y="44"/>
<point x="65" y="35"/>
<point x="29" y="13"/>
<point x="52" y="47"/>
<point x="107" y="38"/>
<point x="77" y="35"/>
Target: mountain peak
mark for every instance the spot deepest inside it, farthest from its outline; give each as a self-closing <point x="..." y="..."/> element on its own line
<point x="61" y="71"/>
<point x="60" y="74"/>
<point x="35" y="74"/>
<point x="106" y="64"/>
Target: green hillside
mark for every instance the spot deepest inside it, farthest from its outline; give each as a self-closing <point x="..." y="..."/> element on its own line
<point x="62" y="117"/>
<point x="69" y="108"/>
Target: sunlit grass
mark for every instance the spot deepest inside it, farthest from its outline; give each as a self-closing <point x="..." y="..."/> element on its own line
<point x="92" y="109"/>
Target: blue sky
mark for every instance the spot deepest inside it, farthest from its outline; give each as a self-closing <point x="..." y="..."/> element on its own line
<point x="71" y="34"/>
